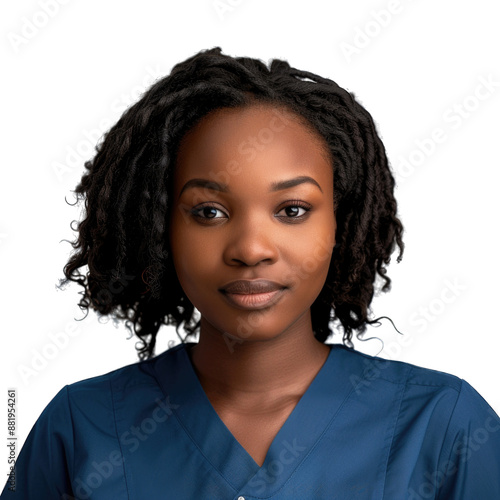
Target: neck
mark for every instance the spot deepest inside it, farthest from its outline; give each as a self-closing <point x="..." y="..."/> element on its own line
<point x="250" y="373"/>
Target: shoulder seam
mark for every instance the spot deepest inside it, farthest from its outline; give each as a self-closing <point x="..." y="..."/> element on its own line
<point x="112" y="397"/>
<point x="446" y="433"/>
<point x="403" y="391"/>
<point x="454" y="380"/>
<point x="407" y="382"/>
<point x="450" y="386"/>
<point x="66" y="387"/>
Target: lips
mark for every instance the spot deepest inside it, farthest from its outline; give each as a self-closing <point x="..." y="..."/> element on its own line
<point x="251" y="286"/>
<point x="253" y="294"/>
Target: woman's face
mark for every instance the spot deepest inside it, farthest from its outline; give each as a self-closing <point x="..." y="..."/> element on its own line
<point x="243" y="182"/>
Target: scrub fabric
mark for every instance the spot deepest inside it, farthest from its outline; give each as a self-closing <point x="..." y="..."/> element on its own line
<point x="366" y="428"/>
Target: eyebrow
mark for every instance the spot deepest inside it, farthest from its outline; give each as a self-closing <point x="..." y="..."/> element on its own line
<point x="275" y="186"/>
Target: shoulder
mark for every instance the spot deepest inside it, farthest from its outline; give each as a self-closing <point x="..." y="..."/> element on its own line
<point x="88" y="419"/>
<point x="98" y="397"/>
<point x="445" y="394"/>
<point x="440" y="423"/>
<point x="89" y="412"/>
<point x="372" y="369"/>
<point x="426" y="394"/>
<point x="139" y="373"/>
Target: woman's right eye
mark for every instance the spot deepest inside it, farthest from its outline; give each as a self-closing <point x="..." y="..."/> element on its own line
<point x="206" y="212"/>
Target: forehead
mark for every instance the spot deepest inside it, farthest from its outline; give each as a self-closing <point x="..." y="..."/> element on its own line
<point x="257" y="139"/>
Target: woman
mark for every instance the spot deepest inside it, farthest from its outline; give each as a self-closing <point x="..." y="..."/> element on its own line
<point x="264" y="199"/>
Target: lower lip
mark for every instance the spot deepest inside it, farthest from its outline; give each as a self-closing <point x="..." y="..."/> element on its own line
<point x="254" y="300"/>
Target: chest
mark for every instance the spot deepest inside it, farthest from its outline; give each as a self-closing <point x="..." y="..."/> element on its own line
<point x="254" y="431"/>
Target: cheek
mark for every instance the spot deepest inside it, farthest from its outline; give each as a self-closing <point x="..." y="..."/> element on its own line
<point x="194" y="260"/>
<point x="307" y="265"/>
<point x="186" y="263"/>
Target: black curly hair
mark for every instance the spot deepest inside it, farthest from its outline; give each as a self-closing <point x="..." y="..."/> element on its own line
<point x="123" y="237"/>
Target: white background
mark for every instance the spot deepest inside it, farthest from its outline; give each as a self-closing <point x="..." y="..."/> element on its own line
<point x="415" y="65"/>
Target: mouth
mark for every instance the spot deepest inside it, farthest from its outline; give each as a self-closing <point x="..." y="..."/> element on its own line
<point x="252" y="294"/>
<point x="253" y="301"/>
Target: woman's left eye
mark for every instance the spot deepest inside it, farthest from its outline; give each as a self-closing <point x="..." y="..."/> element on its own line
<point x="293" y="209"/>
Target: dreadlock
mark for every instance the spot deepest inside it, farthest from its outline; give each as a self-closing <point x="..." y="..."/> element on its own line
<point x="123" y="237"/>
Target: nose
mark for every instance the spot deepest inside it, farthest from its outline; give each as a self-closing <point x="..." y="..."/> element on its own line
<point x="251" y="242"/>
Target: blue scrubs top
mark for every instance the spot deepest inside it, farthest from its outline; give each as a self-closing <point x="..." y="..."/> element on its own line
<point x="366" y="428"/>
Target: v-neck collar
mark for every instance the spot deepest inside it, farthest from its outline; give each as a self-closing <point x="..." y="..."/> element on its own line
<point x="294" y="441"/>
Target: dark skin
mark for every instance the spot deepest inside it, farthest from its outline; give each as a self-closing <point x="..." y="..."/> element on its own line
<point x="254" y="365"/>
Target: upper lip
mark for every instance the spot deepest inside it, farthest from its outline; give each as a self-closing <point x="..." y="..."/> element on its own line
<point x="251" y="286"/>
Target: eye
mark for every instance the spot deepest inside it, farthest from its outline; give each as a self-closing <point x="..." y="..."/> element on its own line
<point x="293" y="208"/>
<point x="208" y="212"/>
